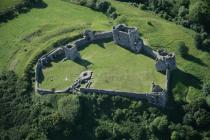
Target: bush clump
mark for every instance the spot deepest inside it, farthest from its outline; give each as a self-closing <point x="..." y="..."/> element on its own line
<point x="206" y="88"/>
<point x="98" y="5"/>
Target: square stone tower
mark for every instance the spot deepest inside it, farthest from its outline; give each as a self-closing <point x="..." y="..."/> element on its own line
<point x="127" y="37"/>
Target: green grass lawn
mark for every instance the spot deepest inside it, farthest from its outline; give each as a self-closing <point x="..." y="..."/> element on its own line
<point x="113" y="68"/>
<point x="5" y="4"/>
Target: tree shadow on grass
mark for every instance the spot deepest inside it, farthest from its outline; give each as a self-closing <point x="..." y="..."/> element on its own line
<point x="205" y="49"/>
<point x="186" y="78"/>
<point x="83" y="62"/>
<point x="174" y="109"/>
<point x="194" y="59"/>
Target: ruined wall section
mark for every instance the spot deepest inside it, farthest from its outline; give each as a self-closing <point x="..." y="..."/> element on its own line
<point x="155" y="98"/>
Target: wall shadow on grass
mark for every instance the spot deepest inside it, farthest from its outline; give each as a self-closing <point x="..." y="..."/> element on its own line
<point x="186" y="78"/>
<point x="174" y="109"/>
<point x="205" y="49"/>
<point x="83" y="62"/>
<point x="23" y="7"/>
<point x="101" y="43"/>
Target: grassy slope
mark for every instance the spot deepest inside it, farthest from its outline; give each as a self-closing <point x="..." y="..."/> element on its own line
<point x="186" y="81"/>
<point x="113" y="68"/>
<point x="4" y="4"/>
<point x="23" y="37"/>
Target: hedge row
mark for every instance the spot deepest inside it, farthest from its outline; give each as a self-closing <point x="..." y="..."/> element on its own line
<point x="98" y="5"/>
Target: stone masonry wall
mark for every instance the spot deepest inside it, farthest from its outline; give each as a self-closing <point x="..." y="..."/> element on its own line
<point x="156" y="98"/>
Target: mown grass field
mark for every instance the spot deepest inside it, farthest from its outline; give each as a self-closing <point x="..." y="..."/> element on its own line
<point x="5" y="4"/>
<point x="22" y="38"/>
<point x="113" y="68"/>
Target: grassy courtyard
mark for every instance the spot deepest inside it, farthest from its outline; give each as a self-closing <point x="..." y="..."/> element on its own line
<point x="113" y="68"/>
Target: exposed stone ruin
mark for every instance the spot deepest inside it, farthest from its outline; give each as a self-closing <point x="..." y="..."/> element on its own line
<point x="127" y="37"/>
<point x="165" y="60"/>
<point x="124" y="36"/>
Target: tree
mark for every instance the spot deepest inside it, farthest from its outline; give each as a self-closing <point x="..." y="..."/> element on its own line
<point x="208" y="101"/>
<point x="69" y="108"/>
<point x="182" y="11"/>
<point x="206" y="43"/>
<point x="206" y="88"/>
<point x="159" y="124"/>
<point x="202" y="118"/>
<point x="103" y="5"/>
<point x="175" y="135"/>
<point x="200" y="13"/>
<point x="102" y="133"/>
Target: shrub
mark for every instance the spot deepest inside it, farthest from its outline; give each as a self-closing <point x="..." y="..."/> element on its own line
<point x="206" y="88"/>
<point x="91" y="4"/>
<point x="183" y="50"/>
<point x="142" y="6"/>
<point x="208" y="100"/>
<point x="122" y="19"/>
<point x="182" y="11"/>
<point x="110" y="10"/>
<point x="159" y="124"/>
<point x="102" y="6"/>
<point x="114" y="15"/>
<point x="149" y="23"/>
<point x="206" y="43"/>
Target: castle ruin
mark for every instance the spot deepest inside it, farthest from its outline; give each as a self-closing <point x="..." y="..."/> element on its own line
<point x="124" y="36"/>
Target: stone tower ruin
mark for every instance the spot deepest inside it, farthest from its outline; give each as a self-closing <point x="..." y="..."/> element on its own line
<point x="127" y="37"/>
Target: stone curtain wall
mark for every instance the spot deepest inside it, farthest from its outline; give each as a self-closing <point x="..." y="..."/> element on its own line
<point x="48" y="58"/>
<point x="156" y="98"/>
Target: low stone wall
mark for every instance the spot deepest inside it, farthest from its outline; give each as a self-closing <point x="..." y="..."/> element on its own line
<point x="114" y="93"/>
<point x="168" y="80"/>
<point x="80" y="42"/>
<point x="156" y="98"/>
<point x="150" y="52"/>
<point x="103" y="35"/>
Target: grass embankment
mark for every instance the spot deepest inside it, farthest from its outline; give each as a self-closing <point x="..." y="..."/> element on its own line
<point x="113" y="68"/>
<point x="22" y="38"/>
